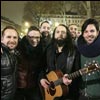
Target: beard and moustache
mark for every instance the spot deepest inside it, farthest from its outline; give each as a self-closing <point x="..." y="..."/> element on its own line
<point x="60" y="42"/>
<point x="45" y="34"/>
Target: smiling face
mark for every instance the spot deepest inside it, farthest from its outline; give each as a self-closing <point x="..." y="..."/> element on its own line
<point x="10" y="38"/>
<point x="90" y="33"/>
<point x="73" y="30"/>
<point x="45" y="27"/>
<point x="34" y="37"/>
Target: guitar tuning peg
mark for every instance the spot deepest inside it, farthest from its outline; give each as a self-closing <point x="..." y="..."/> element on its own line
<point x="89" y="74"/>
<point x="94" y="61"/>
<point x="85" y="65"/>
<point x="89" y="63"/>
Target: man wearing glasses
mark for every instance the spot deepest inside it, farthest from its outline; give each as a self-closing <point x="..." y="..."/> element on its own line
<point x="30" y="64"/>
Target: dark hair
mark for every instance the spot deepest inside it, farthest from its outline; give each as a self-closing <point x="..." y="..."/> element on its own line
<point x="33" y="28"/>
<point x="90" y="21"/>
<point x="69" y="43"/>
<point x="44" y="22"/>
<point x="8" y="27"/>
<point x="72" y="24"/>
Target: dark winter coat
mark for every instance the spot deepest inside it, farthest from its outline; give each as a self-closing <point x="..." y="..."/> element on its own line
<point x="30" y="64"/>
<point x="90" y="82"/>
<point x="8" y="74"/>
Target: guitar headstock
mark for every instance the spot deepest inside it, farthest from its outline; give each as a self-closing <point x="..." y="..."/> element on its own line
<point x="90" y="67"/>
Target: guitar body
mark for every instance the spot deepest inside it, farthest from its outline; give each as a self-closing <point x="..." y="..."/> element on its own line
<point x="54" y="91"/>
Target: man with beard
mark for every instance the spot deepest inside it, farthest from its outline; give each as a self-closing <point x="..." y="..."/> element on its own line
<point x="74" y="31"/>
<point x="62" y="55"/>
<point x="45" y="29"/>
<point x="29" y="65"/>
<point x="89" y="47"/>
<point x="9" y="41"/>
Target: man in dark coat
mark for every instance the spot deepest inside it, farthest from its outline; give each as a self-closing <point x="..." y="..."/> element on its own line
<point x="45" y="29"/>
<point x="29" y="65"/>
<point x="89" y="48"/>
<point x="62" y="55"/>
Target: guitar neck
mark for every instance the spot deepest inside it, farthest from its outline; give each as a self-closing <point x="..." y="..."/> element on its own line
<point x="74" y="75"/>
<point x="80" y="72"/>
<point x="70" y="76"/>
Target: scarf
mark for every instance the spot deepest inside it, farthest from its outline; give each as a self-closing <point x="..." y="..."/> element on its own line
<point x="91" y="50"/>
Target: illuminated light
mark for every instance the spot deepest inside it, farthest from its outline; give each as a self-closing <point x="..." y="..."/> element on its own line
<point x="50" y="22"/>
<point x="26" y="24"/>
<point x="56" y="24"/>
<point x="26" y="30"/>
<point x="21" y="33"/>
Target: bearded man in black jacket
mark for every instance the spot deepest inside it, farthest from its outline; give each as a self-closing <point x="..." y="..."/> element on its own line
<point x="9" y="40"/>
<point x="45" y="29"/>
<point x="62" y="55"/>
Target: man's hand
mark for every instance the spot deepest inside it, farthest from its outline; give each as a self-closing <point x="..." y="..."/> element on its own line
<point x="44" y="83"/>
<point x="66" y="81"/>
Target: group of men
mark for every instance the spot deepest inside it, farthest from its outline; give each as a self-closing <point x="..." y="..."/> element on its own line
<point x="25" y="63"/>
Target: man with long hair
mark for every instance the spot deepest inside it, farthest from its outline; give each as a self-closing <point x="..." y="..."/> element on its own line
<point x="58" y="56"/>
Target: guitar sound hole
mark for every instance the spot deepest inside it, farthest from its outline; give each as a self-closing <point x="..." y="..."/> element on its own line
<point x="52" y="89"/>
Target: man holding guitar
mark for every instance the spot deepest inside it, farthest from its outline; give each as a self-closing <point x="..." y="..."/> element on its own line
<point x="63" y="58"/>
<point x="89" y="47"/>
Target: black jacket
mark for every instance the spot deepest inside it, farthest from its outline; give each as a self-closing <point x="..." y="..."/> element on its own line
<point x="58" y="61"/>
<point x="8" y="73"/>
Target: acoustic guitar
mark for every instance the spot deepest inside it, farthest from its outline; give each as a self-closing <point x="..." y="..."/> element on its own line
<point x="56" y="86"/>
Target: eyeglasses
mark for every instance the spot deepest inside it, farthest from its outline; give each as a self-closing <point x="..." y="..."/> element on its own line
<point x="34" y="37"/>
